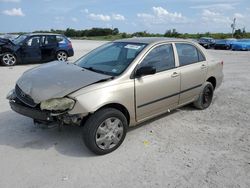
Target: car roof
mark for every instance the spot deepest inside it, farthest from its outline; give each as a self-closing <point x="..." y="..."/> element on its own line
<point x="206" y="38"/>
<point x="150" y="40"/>
<point x="32" y="34"/>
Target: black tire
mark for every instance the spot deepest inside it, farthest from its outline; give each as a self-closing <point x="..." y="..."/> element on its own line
<point x="8" y="59"/>
<point x="97" y="121"/>
<point x="205" y="97"/>
<point x="61" y="56"/>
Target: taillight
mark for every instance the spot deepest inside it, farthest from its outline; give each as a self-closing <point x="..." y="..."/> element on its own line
<point x="70" y="45"/>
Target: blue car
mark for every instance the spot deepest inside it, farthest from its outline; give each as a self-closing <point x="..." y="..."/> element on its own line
<point x="224" y="44"/>
<point x="35" y="47"/>
<point x="241" y="45"/>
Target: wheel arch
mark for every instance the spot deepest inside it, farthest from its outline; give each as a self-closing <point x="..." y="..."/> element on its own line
<point x="62" y="50"/>
<point x="212" y="80"/>
<point x="116" y="106"/>
<point x="119" y="107"/>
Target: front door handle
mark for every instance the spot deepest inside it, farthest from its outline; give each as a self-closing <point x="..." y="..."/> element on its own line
<point x="175" y="74"/>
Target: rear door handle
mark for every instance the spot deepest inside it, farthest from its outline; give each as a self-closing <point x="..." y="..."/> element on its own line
<point x="203" y="66"/>
<point x="175" y="74"/>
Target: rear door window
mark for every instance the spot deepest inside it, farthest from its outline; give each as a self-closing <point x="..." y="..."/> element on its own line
<point x="50" y="40"/>
<point x="188" y="54"/>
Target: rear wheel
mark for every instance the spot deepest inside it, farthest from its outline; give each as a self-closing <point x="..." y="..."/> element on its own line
<point x="9" y="59"/>
<point x="61" y="56"/>
<point x="205" y="97"/>
<point x="105" y="131"/>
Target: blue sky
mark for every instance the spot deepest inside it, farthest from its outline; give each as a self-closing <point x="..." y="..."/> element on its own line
<point x="155" y="16"/>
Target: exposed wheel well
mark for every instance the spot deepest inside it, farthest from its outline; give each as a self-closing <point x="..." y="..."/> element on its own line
<point x="212" y="80"/>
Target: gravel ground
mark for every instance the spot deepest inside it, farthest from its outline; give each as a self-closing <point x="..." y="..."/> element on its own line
<point x="185" y="148"/>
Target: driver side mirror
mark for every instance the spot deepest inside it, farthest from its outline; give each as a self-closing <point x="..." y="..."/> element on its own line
<point x="143" y="71"/>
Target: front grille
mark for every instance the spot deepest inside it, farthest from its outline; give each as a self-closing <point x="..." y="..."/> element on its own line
<point x="26" y="99"/>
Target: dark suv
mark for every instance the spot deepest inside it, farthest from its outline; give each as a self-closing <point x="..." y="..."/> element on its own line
<point x="35" y="47"/>
<point x="206" y="42"/>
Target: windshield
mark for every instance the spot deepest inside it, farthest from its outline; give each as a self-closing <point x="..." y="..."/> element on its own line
<point x="19" y="39"/>
<point x="112" y="58"/>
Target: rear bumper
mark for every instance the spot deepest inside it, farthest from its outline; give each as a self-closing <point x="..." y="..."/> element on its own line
<point x="70" y="52"/>
<point x="30" y="112"/>
<point x="219" y="80"/>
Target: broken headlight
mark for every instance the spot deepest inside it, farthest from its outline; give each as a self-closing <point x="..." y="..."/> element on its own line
<point x="11" y="95"/>
<point x="59" y="104"/>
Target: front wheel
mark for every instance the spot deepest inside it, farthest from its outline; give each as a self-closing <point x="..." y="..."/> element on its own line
<point x="205" y="97"/>
<point x="61" y="56"/>
<point x="9" y="59"/>
<point x="105" y="131"/>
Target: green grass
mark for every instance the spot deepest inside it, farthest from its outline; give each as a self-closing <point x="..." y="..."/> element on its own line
<point x="105" y="38"/>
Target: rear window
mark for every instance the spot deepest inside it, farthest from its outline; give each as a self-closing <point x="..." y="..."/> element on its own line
<point x="60" y="39"/>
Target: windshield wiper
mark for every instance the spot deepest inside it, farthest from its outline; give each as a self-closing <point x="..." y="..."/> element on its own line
<point x="96" y="70"/>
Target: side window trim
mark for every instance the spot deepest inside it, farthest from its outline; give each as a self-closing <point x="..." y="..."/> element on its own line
<point x="203" y="56"/>
<point x="197" y="49"/>
<point x="152" y="48"/>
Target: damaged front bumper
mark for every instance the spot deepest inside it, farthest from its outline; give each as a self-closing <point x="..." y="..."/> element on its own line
<point x="43" y="116"/>
<point x="31" y="112"/>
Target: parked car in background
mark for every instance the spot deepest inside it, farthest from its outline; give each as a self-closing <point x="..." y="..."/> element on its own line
<point x="8" y="36"/>
<point x="207" y="42"/>
<point x="35" y="47"/>
<point x="241" y="45"/>
<point x="224" y="44"/>
<point x="120" y="84"/>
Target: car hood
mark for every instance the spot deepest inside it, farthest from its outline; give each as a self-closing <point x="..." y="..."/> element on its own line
<point x="4" y="41"/>
<point x="56" y="80"/>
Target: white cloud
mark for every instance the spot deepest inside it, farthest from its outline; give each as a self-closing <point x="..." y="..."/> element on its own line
<point x="74" y="19"/>
<point x="208" y="13"/>
<point x="14" y="12"/>
<point x="99" y="17"/>
<point x="103" y="17"/>
<point x="217" y="7"/>
<point x="161" y="12"/>
<point x="145" y="16"/>
<point x="59" y="19"/>
<point x="118" y="17"/>
<point x="160" y="15"/>
<point x="10" y="1"/>
<point x="238" y="15"/>
<point x="85" y="11"/>
<point x="209" y="16"/>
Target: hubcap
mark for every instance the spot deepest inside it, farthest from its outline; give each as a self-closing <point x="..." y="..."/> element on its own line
<point x="9" y="59"/>
<point x="62" y="56"/>
<point x="109" y="133"/>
